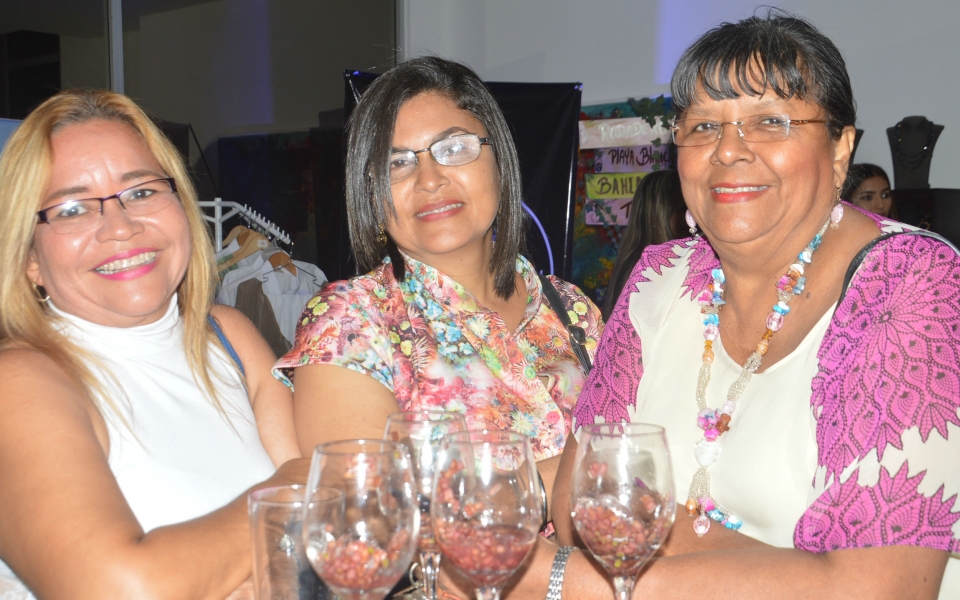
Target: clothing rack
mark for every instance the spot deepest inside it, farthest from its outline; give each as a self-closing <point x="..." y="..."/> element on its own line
<point x="249" y="215"/>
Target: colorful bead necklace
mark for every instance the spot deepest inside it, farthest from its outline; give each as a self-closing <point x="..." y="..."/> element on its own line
<point x="715" y="422"/>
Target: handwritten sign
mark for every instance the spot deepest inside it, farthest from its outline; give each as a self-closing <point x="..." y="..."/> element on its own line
<point x="629" y="159"/>
<point x="612" y="185"/>
<point x="615" y="211"/>
<point x="607" y="133"/>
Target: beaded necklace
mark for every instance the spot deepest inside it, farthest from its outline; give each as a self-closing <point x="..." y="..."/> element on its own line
<point x="715" y="422"/>
<point x="914" y="161"/>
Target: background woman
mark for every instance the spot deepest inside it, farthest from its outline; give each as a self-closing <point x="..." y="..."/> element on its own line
<point x="656" y="216"/>
<point x="131" y="432"/>
<point x="868" y="187"/>
<point x="824" y="427"/>
<point x="451" y="316"/>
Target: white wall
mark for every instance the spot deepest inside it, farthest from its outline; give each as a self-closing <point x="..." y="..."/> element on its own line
<point x="902" y="57"/>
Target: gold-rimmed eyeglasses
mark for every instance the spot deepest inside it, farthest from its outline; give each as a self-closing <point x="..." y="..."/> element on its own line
<point x="79" y="215"/>
<point x="450" y="152"/>
<point x="758" y="128"/>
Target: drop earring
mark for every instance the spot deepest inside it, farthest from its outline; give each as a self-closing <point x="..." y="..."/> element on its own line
<point x="382" y="237"/>
<point x="42" y="297"/>
<point x="837" y="213"/>
<point x="692" y="225"/>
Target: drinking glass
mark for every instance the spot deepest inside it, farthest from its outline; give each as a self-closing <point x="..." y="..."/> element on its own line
<point x="280" y="567"/>
<point x="623" y="497"/>
<point x="421" y="431"/>
<point x="361" y="518"/>
<point x="486" y="507"/>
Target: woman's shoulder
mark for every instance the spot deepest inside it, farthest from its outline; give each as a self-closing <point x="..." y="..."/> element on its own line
<point x="904" y="252"/>
<point x="580" y="308"/>
<point x="36" y="386"/>
<point x="373" y="287"/>
<point x="666" y="261"/>
<point x="569" y="292"/>
<point x="19" y="359"/>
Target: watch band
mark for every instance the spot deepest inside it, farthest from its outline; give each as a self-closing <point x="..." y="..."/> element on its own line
<point x="557" y="571"/>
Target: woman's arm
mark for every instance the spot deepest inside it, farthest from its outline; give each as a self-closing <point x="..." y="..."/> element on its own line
<point x="272" y="401"/>
<point x="889" y="572"/>
<point x="761" y="572"/>
<point x="65" y="527"/>
<point x="560" y="511"/>
<point x="336" y="403"/>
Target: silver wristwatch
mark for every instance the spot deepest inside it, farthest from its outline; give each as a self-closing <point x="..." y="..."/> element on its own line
<point x="556" y="572"/>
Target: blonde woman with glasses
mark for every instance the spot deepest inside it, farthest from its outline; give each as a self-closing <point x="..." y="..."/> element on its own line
<point x="136" y="415"/>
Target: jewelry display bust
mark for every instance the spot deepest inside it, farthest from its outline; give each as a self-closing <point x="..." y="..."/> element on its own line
<point x="911" y="144"/>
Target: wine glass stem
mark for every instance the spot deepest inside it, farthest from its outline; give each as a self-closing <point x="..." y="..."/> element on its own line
<point x="623" y="586"/>
<point x="430" y="563"/>
<point x="488" y="593"/>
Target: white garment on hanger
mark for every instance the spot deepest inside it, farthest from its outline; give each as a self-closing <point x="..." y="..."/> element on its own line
<point x="287" y="293"/>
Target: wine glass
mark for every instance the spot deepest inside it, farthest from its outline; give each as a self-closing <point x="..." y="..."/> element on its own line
<point x="623" y="497"/>
<point x="486" y="508"/>
<point x="361" y="518"/>
<point x="421" y="431"/>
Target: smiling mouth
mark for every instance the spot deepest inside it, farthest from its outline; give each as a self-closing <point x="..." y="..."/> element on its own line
<point x="740" y="190"/>
<point x="442" y="209"/>
<point x="126" y="263"/>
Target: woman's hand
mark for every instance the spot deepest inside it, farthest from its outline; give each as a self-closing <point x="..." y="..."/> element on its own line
<point x="294" y="471"/>
<point x="244" y="592"/>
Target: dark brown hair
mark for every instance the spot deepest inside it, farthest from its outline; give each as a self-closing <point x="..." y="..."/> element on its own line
<point x="369" y="143"/>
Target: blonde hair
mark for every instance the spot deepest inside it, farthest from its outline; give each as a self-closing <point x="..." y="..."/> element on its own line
<point x="24" y="175"/>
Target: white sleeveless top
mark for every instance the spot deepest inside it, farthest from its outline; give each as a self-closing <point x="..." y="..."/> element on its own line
<point x="181" y="458"/>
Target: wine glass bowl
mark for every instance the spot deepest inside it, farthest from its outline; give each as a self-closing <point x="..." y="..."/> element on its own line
<point x="486" y="506"/>
<point x="361" y="517"/>
<point x="623" y="497"/>
<point x="422" y="431"/>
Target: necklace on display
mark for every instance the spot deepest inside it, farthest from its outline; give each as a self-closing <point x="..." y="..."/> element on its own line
<point x="914" y="161"/>
<point x="714" y="422"/>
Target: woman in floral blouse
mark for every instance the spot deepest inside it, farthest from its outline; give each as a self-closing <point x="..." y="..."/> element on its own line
<point x="451" y="316"/>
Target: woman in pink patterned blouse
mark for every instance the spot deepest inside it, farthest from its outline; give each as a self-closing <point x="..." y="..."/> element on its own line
<point x="813" y="425"/>
<point x="451" y="316"/>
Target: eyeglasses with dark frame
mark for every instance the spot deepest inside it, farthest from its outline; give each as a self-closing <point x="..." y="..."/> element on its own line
<point x="139" y="200"/>
<point x="453" y="151"/>
<point x="758" y="128"/>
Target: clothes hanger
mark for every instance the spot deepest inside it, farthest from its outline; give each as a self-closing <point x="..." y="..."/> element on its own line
<point x="234" y="233"/>
<point x="250" y="241"/>
<point x="281" y="260"/>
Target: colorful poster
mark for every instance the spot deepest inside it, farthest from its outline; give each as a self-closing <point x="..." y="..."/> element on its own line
<point x="612" y="185"/>
<point x="636" y="131"/>
<point x="619" y="144"/>
<point x="615" y="211"/>
<point x="629" y="159"/>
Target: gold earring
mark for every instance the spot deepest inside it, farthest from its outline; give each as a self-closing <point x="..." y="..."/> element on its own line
<point x="42" y="297"/>
<point x="382" y="237"/>
<point x="839" y="189"/>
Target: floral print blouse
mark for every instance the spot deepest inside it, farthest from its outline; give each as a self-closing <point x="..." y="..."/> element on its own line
<point x="429" y="341"/>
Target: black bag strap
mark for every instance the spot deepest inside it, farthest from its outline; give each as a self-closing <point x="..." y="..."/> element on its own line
<point x="578" y="337"/>
<point x="862" y="254"/>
